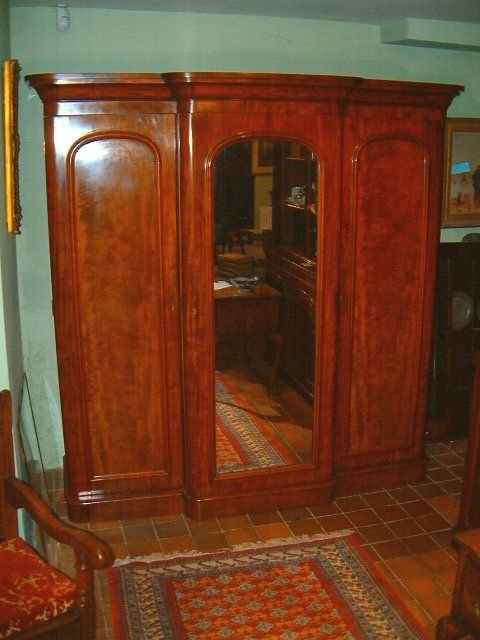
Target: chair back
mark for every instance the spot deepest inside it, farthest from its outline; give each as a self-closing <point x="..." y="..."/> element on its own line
<point x="8" y="515"/>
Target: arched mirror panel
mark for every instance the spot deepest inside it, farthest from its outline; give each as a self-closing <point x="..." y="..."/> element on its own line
<point x="265" y="248"/>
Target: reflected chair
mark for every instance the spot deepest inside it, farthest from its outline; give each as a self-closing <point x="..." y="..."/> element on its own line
<point x="36" y="599"/>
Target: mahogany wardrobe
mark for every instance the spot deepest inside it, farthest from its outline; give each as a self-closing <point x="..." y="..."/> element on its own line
<point x="349" y="255"/>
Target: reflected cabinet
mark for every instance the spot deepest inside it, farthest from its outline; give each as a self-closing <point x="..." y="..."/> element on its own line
<point x="243" y="274"/>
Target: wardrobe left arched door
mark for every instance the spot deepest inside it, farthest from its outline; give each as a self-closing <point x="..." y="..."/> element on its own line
<point x="111" y="177"/>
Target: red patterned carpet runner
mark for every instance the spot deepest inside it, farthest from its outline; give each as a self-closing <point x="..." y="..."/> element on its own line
<point x="243" y="439"/>
<point x="323" y="588"/>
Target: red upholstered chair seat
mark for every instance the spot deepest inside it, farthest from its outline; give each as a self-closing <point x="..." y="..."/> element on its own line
<point x="31" y="591"/>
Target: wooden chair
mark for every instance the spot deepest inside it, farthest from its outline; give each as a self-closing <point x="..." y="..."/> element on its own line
<point x="37" y="600"/>
<point x="464" y="618"/>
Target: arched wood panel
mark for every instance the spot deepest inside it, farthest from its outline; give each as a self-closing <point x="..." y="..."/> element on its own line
<point x="114" y="266"/>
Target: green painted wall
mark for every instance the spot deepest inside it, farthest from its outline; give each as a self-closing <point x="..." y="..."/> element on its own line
<point x="108" y="40"/>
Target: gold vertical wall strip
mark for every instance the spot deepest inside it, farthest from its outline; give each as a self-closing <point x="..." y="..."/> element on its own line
<point x="11" y="74"/>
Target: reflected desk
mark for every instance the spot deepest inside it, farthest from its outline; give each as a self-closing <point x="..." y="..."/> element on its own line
<point x="244" y="313"/>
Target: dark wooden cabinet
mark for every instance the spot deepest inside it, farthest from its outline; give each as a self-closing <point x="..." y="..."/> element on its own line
<point x="130" y="180"/>
<point x="456" y="338"/>
<point x="295" y="277"/>
<point x="294" y="199"/>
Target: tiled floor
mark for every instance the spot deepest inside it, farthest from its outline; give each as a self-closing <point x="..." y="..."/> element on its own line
<point x="406" y="530"/>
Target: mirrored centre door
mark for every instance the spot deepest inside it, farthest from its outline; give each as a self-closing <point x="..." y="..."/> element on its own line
<point x="258" y="315"/>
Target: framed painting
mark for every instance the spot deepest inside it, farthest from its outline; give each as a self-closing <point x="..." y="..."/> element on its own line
<point x="461" y="201"/>
<point x="262" y="156"/>
<point x="11" y="74"/>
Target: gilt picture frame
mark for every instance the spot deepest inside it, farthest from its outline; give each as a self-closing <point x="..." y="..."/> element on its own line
<point x="13" y="212"/>
<point x="461" y="195"/>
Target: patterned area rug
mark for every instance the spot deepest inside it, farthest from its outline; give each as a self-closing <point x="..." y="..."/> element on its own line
<point x="243" y="439"/>
<point x="322" y="588"/>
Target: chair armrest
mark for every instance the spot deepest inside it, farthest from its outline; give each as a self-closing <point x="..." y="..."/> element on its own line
<point x="86" y="545"/>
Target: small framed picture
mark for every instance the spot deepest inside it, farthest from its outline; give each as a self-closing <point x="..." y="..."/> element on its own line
<point x="461" y="201"/>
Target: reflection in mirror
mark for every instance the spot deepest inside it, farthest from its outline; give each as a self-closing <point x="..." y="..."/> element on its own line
<point x="265" y="239"/>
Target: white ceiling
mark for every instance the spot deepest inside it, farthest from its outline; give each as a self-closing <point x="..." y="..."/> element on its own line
<point x="361" y="11"/>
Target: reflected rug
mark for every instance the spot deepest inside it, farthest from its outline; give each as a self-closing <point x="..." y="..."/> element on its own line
<point x="320" y="588"/>
<point x="244" y="441"/>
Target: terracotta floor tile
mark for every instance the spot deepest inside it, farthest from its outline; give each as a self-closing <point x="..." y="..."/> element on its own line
<point x="433" y="463"/>
<point x="400" y="590"/>
<point x="403" y="494"/>
<point x="210" y="541"/>
<point x="136" y="532"/>
<point x="234" y="522"/>
<point x="442" y="538"/>
<point x="298" y="513"/>
<point x="202" y="527"/>
<point x="351" y="503"/>
<point x="363" y="517"/>
<point x="419" y="613"/>
<point x="417" y="508"/>
<point x="111" y="536"/>
<point x="444" y="503"/>
<point x="378" y="498"/>
<point x="432" y="522"/>
<point x="334" y="523"/>
<point x="169" y="517"/>
<point x="459" y="445"/>
<point x="436" y="448"/>
<point x="430" y="489"/>
<point x="446" y="578"/>
<point x="391" y="512"/>
<point x="267" y="517"/>
<point x="451" y="516"/>
<point x="325" y="509"/>
<point x="371" y="553"/>
<point x="437" y="606"/>
<point x="419" y="544"/>
<point x="385" y="570"/>
<point x="458" y="470"/>
<point x="241" y="536"/>
<point x="423" y="586"/>
<point x="441" y="474"/>
<point x="119" y="550"/>
<point x="143" y="547"/>
<point x="273" y="530"/>
<point x="452" y="486"/>
<point x="376" y="533"/>
<point x="307" y="527"/>
<point x="437" y="560"/>
<point x="171" y="529"/>
<point x="449" y="459"/>
<point x="408" y="566"/>
<point x="180" y="544"/>
<point x="405" y="528"/>
<point x="390" y="549"/>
